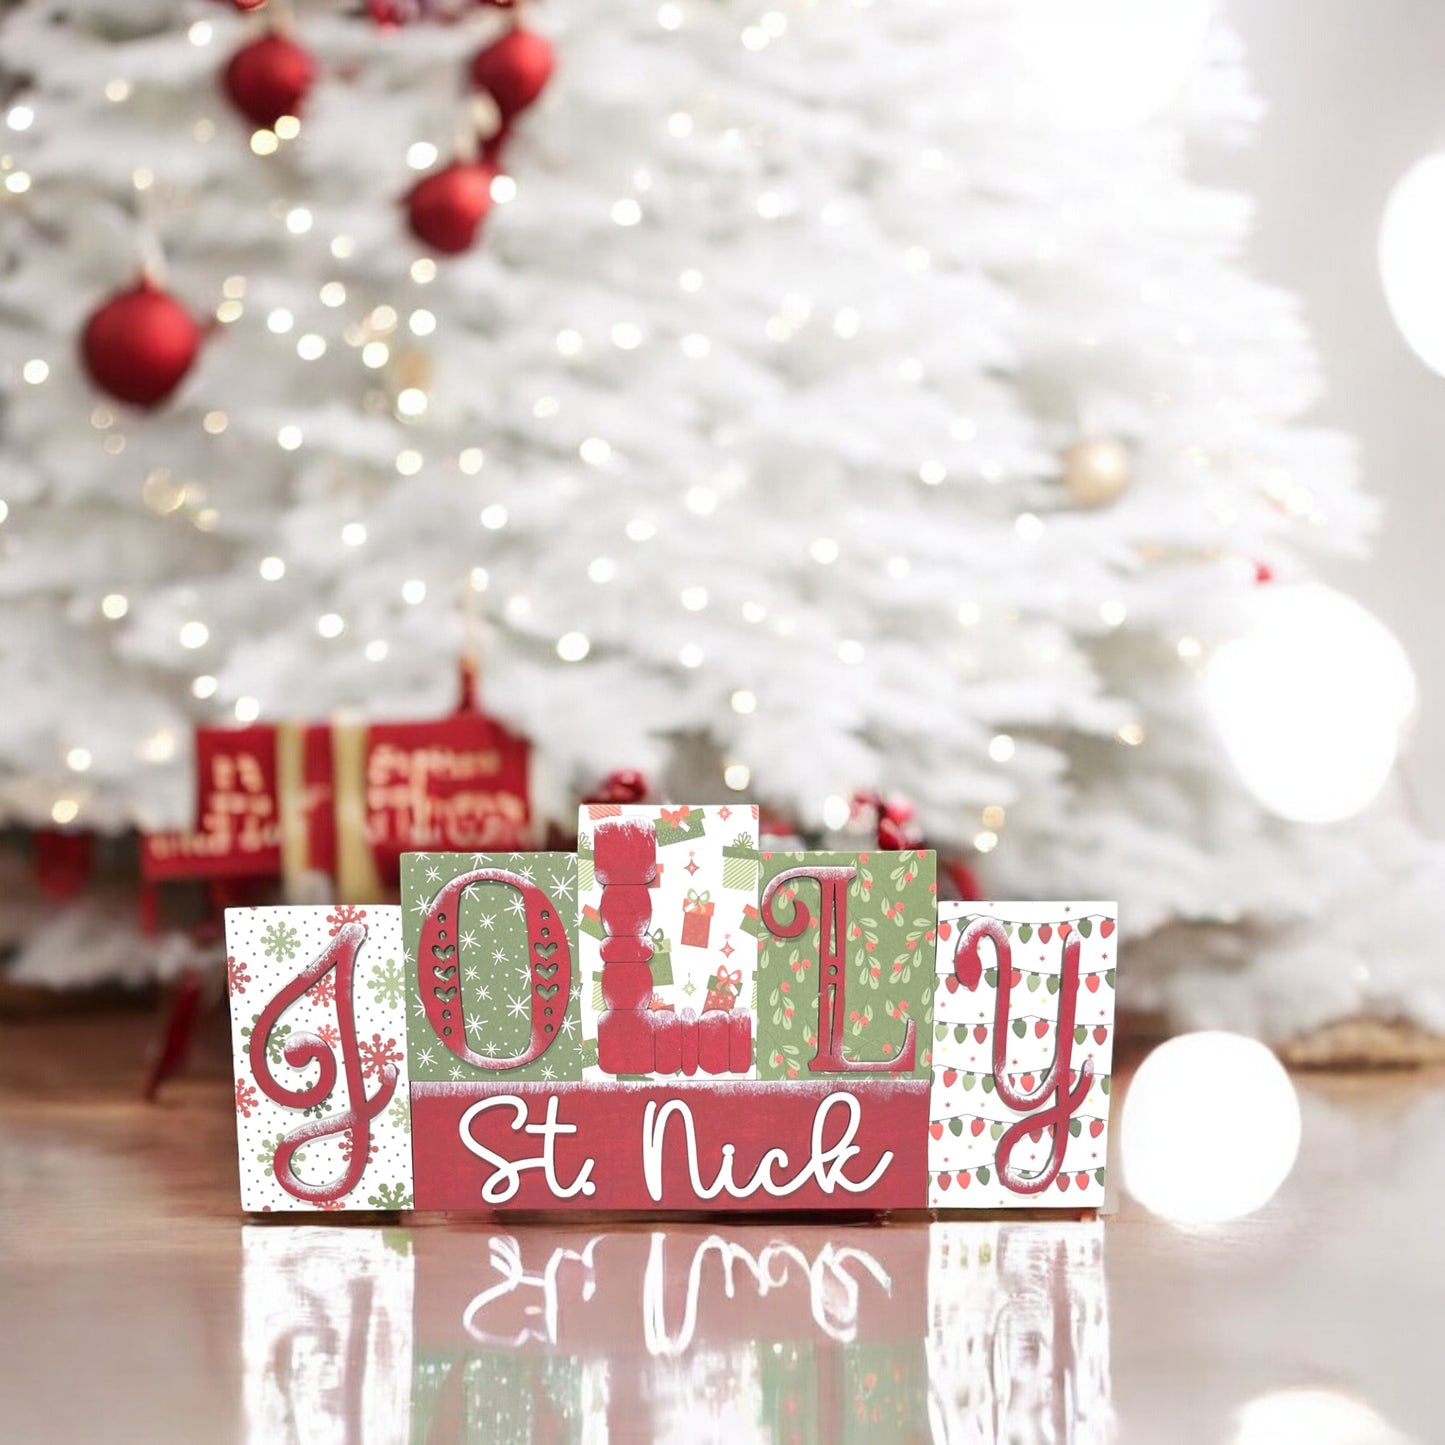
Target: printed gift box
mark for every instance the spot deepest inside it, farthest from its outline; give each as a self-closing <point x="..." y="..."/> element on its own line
<point x="697" y="912"/>
<point x="723" y="989"/>
<point x="741" y="863"/>
<point x="684" y="824"/>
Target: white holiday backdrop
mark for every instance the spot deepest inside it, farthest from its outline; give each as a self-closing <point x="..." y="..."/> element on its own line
<point x="838" y="396"/>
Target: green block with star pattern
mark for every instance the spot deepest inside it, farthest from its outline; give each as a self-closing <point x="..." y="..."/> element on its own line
<point x="493" y="973"/>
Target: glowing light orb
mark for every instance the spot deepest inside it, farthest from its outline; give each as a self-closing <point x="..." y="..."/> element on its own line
<point x="1210" y="1128"/>
<point x="1312" y="1417"/>
<point x="1412" y="234"/>
<point x="1310" y="704"/>
<point x="1113" y="63"/>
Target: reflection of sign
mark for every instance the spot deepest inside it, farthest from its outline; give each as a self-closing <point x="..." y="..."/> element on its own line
<point x="956" y="1332"/>
<point x="890" y="1053"/>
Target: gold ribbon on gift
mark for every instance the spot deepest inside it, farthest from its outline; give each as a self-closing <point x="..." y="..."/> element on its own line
<point x="295" y="834"/>
<point x="357" y="880"/>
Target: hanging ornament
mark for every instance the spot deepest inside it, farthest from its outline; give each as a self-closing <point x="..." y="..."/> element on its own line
<point x="269" y="78"/>
<point x="514" y="70"/>
<point x="1097" y="471"/>
<point x="139" y="344"/>
<point x="446" y="209"/>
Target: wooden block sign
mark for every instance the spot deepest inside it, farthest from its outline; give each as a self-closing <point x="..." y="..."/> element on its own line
<point x="671" y="1019"/>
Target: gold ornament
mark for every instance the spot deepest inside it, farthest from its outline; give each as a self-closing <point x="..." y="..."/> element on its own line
<point x="1097" y="471"/>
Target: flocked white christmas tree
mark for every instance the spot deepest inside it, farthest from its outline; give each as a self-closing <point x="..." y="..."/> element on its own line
<point x="839" y="396"/>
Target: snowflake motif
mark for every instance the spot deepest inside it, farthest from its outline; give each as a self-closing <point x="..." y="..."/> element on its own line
<point x="518" y="905"/>
<point x="433" y="875"/>
<point x="400" y="1115"/>
<point x="475" y="1026"/>
<point x="499" y="955"/>
<point x="276" y="1044"/>
<point x="470" y="974"/>
<point x="246" y="1099"/>
<point x="561" y="887"/>
<point x="330" y="1204"/>
<point x="548" y="1072"/>
<point x="426" y="1058"/>
<point x="490" y="1047"/>
<point x="236" y="977"/>
<point x="455" y="1072"/>
<point x="345" y="913"/>
<point x="348" y="1144"/>
<point x="389" y="1196"/>
<point x="315" y="1111"/>
<point x="488" y="921"/>
<point x="518" y="1006"/>
<point x="527" y="873"/>
<point x="568" y="1025"/>
<point x="387" y="983"/>
<point x="329" y="1035"/>
<point x="280" y="941"/>
<point x="421" y="907"/>
<point x="376" y="1055"/>
<point x="469" y="938"/>
<point x="267" y="1156"/>
<point x="323" y="991"/>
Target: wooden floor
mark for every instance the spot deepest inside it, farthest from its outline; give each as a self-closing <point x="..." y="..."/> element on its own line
<point x="137" y="1306"/>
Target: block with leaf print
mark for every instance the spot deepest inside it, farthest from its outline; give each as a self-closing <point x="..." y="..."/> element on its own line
<point x="882" y="908"/>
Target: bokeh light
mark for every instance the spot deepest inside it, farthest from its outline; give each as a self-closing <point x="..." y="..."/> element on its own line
<point x="1311" y="702"/>
<point x="1113" y="63"/>
<point x="1210" y="1128"/>
<point x="1412" y="237"/>
<point x="1312" y="1417"/>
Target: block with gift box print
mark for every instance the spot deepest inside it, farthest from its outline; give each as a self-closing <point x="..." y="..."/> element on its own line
<point x="703" y="925"/>
<point x="866" y="920"/>
<point x="1023" y="1048"/>
<point x="471" y="987"/>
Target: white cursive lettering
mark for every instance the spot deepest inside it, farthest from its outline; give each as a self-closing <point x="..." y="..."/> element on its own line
<point x="507" y="1175"/>
<point x="826" y="1164"/>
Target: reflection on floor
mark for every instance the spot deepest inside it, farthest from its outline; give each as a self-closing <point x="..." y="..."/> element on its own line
<point x="961" y="1332"/>
<point x="137" y="1305"/>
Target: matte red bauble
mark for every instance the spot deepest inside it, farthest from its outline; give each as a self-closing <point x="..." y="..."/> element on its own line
<point x="269" y="78"/>
<point x="514" y="70"/>
<point x="139" y="344"/>
<point x="446" y="208"/>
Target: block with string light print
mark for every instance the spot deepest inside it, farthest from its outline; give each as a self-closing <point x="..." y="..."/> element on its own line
<point x="1023" y="1045"/>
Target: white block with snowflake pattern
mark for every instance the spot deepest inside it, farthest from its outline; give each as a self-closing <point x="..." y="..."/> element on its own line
<point x="269" y="950"/>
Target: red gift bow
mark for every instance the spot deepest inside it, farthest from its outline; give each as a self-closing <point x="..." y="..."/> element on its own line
<point x="728" y="983"/>
<point x="673" y="816"/>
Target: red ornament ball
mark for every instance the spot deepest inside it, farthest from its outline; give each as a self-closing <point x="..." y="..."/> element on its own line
<point x="446" y="208"/>
<point x="514" y="70"/>
<point x="139" y="344"/>
<point x="626" y="785"/>
<point x="268" y="78"/>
